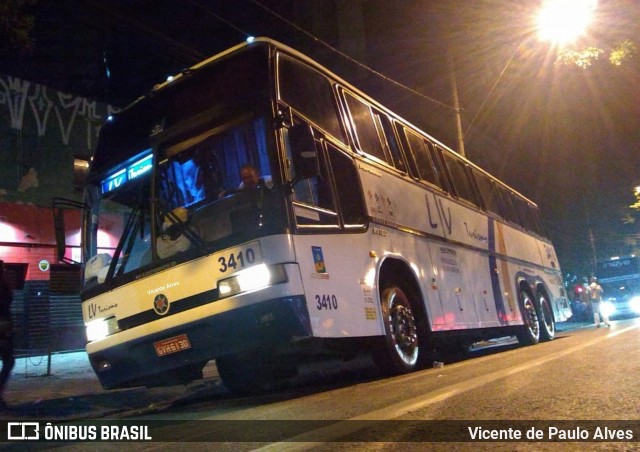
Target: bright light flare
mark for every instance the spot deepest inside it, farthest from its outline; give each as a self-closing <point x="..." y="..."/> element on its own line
<point x="634" y="304"/>
<point x="563" y="21"/>
<point x="607" y="308"/>
<point x="101" y="328"/>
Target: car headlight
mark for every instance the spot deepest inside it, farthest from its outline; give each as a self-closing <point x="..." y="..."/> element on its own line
<point x="252" y="278"/>
<point x="634" y="304"/>
<point x="607" y="308"/>
<point x="101" y="328"/>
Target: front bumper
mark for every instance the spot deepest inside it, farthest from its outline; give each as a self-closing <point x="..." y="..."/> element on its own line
<point x="268" y="324"/>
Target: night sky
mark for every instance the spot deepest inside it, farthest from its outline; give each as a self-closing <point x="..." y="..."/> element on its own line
<point x="566" y="137"/>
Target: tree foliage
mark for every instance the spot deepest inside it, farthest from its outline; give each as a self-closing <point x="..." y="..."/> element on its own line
<point x="636" y="205"/>
<point x="625" y="50"/>
<point x="618" y="54"/>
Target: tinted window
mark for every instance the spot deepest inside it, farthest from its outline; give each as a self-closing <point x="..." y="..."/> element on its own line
<point x="213" y="91"/>
<point x="348" y="187"/>
<point x="461" y="182"/>
<point x="529" y="215"/>
<point x="523" y="212"/>
<point x="421" y="153"/>
<point x="314" y="200"/>
<point x="536" y="221"/>
<point x="310" y="93"/>
<point x="507" y="207"/>
<point x="389" y="142"/>
<point x="367" y="133"/>
<point x="488" y="192"/>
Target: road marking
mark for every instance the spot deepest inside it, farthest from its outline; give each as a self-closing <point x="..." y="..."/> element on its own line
<point x="343" y="428"/>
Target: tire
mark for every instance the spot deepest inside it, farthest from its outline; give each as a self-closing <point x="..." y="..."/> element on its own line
<point x="253" y="373"/>
<point x="239" y="376"/>
<point x="547" y="324"/>
<point x="529" y="332"/>
<point x="403" y="349"/>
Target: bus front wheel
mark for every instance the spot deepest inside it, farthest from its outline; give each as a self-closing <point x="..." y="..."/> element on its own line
<point x="529" y="332"/>
<point x="253" y="372"/>
<point x="401" y="351"/>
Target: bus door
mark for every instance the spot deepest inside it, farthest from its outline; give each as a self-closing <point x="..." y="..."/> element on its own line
<point x="330" y="224"/>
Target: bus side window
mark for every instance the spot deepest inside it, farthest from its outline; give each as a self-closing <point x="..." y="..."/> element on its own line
<point x="437" y="156"/>
<point x="536" y="221"/>
<point x="310" y="93"/>
<point x="487" y="192"/>
<point x="422" y="158"/>
<point x="347" y="187"/>
<point x="390" y="142"/>
<point x="508" y="209"/>
<point x="366" y="133"/>
<point x="460" y="178"/>
<point x="313" y="197"/>
<point x="529" y="216"/>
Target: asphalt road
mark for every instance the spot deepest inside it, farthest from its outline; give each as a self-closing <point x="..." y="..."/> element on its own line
<point x="587" y="378"/>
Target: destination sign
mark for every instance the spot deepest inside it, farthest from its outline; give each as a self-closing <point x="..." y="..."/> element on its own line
<point x="127" y="174"/>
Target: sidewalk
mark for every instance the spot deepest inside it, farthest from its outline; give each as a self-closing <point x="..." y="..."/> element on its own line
<point x="71" y="390"/>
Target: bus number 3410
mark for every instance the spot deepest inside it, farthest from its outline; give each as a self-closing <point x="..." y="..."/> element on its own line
<point x="237" y="261"/>
<point x="329" y="302"/>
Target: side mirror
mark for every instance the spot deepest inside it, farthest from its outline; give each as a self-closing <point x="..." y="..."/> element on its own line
<point x="303" y="152"/>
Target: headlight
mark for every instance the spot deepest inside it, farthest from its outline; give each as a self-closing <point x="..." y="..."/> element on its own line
<point x="607" y="308"/>
<point x="634" y="304"/>
<point x="101" y="328"/>
<point x="252" y="278"/>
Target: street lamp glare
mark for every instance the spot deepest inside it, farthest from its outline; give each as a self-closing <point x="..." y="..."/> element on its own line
<point x="562" y="21"/>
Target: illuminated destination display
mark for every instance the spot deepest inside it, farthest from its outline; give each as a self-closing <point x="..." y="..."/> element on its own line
<point x="130" y="172"/>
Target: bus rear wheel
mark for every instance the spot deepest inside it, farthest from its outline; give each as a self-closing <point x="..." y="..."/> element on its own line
<point x="547" y="324"/>
<point x="401" y="350"/>
<point x="529" y="332"/>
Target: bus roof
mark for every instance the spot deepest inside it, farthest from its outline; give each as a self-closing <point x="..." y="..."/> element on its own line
<point x="265" y="41"/>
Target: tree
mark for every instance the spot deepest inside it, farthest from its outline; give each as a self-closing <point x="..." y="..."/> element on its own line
<point x="618" y="54"/>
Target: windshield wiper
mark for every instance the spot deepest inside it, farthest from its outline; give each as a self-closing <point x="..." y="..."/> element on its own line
<point x="118" y="251"/>
<point x="184" y="228"/>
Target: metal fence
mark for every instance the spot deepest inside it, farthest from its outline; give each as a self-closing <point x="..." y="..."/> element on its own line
<point x="46" y="322"/>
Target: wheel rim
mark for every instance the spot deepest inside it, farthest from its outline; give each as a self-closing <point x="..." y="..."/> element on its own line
<point x="547" y="319"/>
<point x="530" y="315"/>
<point x="403" y="331"/>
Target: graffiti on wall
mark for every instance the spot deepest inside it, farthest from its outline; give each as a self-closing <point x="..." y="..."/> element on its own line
<point x="51" y="110"/>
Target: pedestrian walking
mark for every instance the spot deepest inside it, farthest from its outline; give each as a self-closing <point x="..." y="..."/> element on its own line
<point x="595" y="296"/>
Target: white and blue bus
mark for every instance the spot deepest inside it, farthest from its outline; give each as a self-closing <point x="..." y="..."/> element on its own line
<point x="364" y="233"/>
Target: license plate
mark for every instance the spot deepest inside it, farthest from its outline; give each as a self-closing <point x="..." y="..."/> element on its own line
<point x="172" y="345"/>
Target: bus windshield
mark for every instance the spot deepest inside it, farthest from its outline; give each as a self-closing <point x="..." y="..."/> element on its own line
<point x="120" y="226"/>
<point x="165" y="183"/>
<point x="201" y="197"/>
<point x="200" y="201"/>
